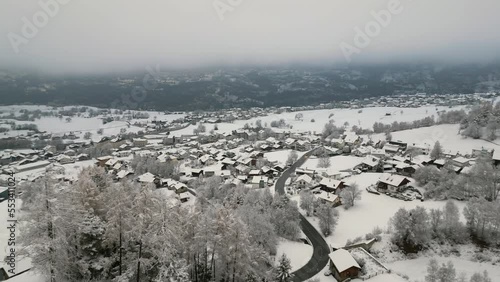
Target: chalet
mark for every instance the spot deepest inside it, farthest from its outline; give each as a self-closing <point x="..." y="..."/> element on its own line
<point x="258" y="181"/>
<point x="361" y="151"/>
<point x="331" y="185"/>
<point x="351" y="139"/>
<point x="279" y="167"/>
<point x="82" y="157"/>
<point x="460" y="162"/>
<point x="439" y="163"/>
<point x="406" y="169"/>
<point x="123" y="174"/>
<point x="140" y="142"/>
<point x="343" y="266"/>
<point x="225" y="174"/>
<point x="101" y="161"/>
<point x="301" y="171"/>
<point x="304" y="181"/>
<point x="392" y="182"/>
<point x="184" y="197"/>
<point x="180" y="188"/>
<point x="195" y="172"/>
<point x="31" y="166"/>
<point x="254" y="172"/>
<point x="148" y="178"/>
<point x="391" y="149"/>
<point x="63" y="159"/>
<point x="327" y="197"/>
<point x="402" y="145"/>
<point x="369" y="163"/>
<point x="268" y="171"/>
<point x="208" y="172"/>
<point x="379" y="153"/>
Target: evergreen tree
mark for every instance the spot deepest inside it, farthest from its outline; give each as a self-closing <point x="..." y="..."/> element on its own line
<point x="283" y="270"/>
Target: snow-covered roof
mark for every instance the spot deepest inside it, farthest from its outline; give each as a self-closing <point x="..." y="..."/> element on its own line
<point x="330" y="197"/>
<point x="304" y="177"/>
<point x="343" y="260"/>
<point x="496" y="154"/>
<point x="330" y="183"/>
<point x="147" y="177"/>
<point x="392" y="179"/>
<point x="461" y="160"/>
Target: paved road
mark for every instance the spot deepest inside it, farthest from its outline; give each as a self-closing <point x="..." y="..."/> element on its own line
<point x="321" y="250"/>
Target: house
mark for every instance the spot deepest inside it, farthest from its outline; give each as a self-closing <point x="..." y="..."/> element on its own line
<point x="331" y="185"/>
<point x="184" y="197"/>
<point x="361" y="151"/>
<point x="148" y="178"/>
<point x="327" y="197"/>
<point x="82" y="157"/>
<point x="406" y="169"/>
<point x="460" y="162"/>
<point x="439" y="163"/>
<point x="258" y="181"/>
<point x="123" y="173"/>
<point x="402" y="145"/>
<point x="304" y="181"/>
<point x="101" y="161"/>
<point x="140" y="142"/>
<point x="343" y="266"/>
<point x="351" y="138"/>
<point x="31" y="166"/>
<point x="391" y="149"/>
<point x="392" y="182"/>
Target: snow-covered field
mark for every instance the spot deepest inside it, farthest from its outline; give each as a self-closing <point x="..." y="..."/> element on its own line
<point x="446" y="134"/>
<point x="415" y="269"/>
<point x="298" y="252"/>
<point x="370" y="211"/>
<point x="365" y="119"/>
<point x="280" y="156"/>
<point x="337" y="163"/>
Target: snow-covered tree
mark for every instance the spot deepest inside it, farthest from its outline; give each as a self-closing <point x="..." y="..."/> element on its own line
<point x="437" y="151"/>
<point x="478" y="277"/>
<point x="411" y="229"/>
<point x="307" y="202"/>
<point x="327" y="216"/>
<point x="324" y="162"/>
<point x="292" y="158"/>
<point x="283" y="270"/>
<point x="349" y="195"/>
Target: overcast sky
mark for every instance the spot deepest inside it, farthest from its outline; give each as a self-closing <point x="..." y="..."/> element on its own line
<point x="111" y="35"/>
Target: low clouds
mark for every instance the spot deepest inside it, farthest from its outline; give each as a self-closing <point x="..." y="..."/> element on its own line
<point x="115" y="35"/>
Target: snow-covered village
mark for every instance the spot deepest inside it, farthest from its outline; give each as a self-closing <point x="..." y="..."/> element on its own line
<point x="339" y="194"/>
<point x="249" y="141"/>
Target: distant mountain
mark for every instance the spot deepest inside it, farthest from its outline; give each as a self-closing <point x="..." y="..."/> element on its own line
<point x="211" y="89"/>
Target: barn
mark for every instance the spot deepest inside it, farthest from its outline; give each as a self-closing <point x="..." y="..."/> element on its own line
<point x="343" y="266"/>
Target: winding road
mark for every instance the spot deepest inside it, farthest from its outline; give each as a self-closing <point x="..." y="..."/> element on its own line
<point x="321" y="250"/>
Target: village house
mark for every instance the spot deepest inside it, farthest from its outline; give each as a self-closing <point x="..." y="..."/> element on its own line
<point x="304" y="181"/>
<point x="101" y="161"/>
<point x="258" y="181"/>
<point x="460" y="162"/>
<point x="343" y="266"/>
<point x="392" y="182"/>
<point x="327" y="197"/>
<point x="331" y="185"/>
